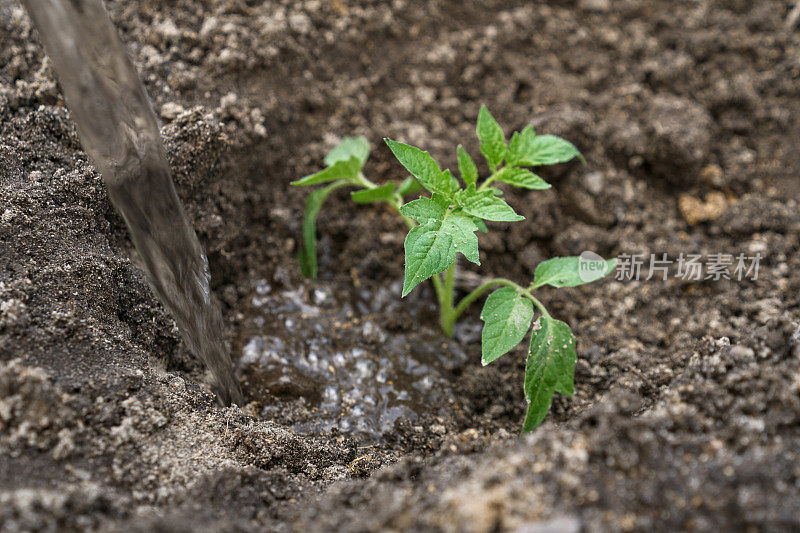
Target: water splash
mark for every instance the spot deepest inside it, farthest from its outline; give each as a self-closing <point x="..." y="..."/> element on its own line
<point x="120" y="132"/>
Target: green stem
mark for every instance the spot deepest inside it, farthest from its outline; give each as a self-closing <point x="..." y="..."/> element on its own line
<point x="496" y="282"/>
<point x="491" y="179"/>
<point x="362" y="180"/>
<point x="447" y="314"/>
<point x="537" y="303"/>
<point x="449" y="283"/>
<point x="437" y="285"/>
<point x="396" y="202"/>
<point x="480" y="291"/>
<point x="336" y="185"/>
<point x="488" y="182"/>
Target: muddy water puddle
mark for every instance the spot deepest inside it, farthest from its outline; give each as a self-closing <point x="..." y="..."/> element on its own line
<point x="318" y="360"/>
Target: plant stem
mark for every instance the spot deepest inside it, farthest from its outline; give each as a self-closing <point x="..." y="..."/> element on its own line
<point x="537" y="303"/>
<point x="396" y="202"/>
<point x="362" y="180"/>
<point x="483" y="289"/>
<point x="480" y="291"/>
<point x="449" y="283"/>
<point x="447" y="315"/>
<point x="437" y="285"/>
<point x="489" y="180"/>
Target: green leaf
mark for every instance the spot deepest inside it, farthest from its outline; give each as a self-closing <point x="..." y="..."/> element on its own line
<point x="488" y="129"/>
<point x="410" y="185"/>
<point x="463" y="228"/>
<point x="572" y="271"/>
<point x="467" y="167"/>
<point x="429" y="250"/>
<point x="422" y="166"/>
<point x="423" y="210"/>
<point x="441" y="199"/>
<point x="479" y="223"/>
<point x="431" y="247"/>
<point x="549" y="368"/>
<point x="507" y="315"/>
<point x="485" y="205"/>
<point x="548" y="150"/>
<point x="357" y="147"/>
<point x="494" y="153"/>
<point x="347" y="170"/>
<point x="452" y="184"/>
<point x="493" y="140"/>
<point x="521" y="146"/>
<point x="308" y="253"/>
<point x="523" y="178"/>
<point x="384" y="193"/>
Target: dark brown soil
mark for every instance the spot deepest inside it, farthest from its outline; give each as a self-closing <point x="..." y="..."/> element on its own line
<point x="687" y="406"/>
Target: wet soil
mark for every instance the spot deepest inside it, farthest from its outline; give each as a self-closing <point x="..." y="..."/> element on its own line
<point x="361" y="416"/>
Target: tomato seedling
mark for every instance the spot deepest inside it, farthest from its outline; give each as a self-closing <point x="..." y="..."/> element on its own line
<point x="444" y="222"/>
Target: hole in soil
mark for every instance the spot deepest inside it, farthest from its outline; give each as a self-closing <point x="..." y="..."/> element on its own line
<point x="318" y="360"/>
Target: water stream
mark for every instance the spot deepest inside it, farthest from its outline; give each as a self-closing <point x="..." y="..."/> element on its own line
<point x="120" y="132"/>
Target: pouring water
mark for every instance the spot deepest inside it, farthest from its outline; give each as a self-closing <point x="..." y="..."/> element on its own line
<point x="120" y="133"/>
